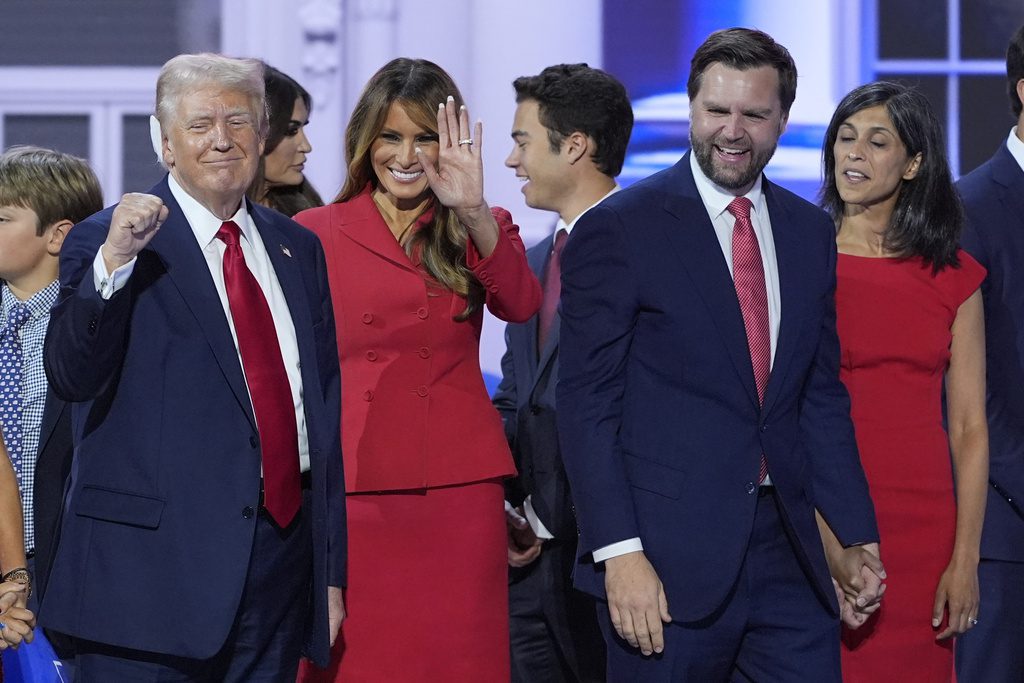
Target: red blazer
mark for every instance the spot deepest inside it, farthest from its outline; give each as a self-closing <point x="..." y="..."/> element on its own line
<point x="414" y="409"/>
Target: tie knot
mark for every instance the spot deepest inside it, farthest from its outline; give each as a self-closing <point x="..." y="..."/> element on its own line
<point x="560" y="237"/>
<point x="740" y="208"/>
<point x="17" y="317"/>
<point x="228" y="233"/>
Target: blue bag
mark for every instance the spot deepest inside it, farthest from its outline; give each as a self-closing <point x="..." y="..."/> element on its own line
<point x="34" y="662"/>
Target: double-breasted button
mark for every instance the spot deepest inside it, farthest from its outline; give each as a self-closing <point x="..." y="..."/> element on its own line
<point x="253" y="441"/>
<point x="371" y="355"/>
<point x="367" y="318"/>
<point x="424" y="352"/>
<point x="422" y="390"/>
<point x="367" y="395"/>
<point x="422" y="313"/>
<point x="247" y="512"/>
<point x="751" y="487"/>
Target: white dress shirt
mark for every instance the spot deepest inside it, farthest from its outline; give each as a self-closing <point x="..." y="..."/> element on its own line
<point x="1016" y="147"/>
<point x="204" y="227"/>
<point x="716" y="201"/>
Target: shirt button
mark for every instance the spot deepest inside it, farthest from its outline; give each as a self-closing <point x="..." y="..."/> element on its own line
<point x="367" y="318"/>
<point x="424" y="352"/>
<point x="247" y="512"/>
<point x="751" y="487"/>
<point x="371" y="356"/>
<point x="367" y="395"/>
<point x="422" y="390"/>
<point x="422" y="313"/>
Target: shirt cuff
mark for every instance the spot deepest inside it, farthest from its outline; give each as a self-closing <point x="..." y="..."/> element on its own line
<point x="539" y="530"/>
<point x="630" y="545"/>
<point x="109" y="284"/>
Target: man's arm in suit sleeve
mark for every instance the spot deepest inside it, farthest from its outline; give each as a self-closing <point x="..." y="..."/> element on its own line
<point x="840" y="488"/>
<point x="84" y="345"/>
<point x="598" y="313"/>
<point x="330" y="378"/>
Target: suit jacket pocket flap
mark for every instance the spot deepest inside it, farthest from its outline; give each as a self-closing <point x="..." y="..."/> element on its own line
<point x="653" y="476"/>
<point x="119" y="506"/>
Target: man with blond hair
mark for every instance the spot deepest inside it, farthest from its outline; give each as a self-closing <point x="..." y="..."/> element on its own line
<point x="204" y="533"/>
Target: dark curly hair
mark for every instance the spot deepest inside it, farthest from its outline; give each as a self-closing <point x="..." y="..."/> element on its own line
<point x="576" y="97"/>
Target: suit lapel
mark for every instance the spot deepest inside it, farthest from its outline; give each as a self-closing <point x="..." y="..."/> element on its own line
<point x="52" y="411"/>
<point x="788" y="258"/>
<point x="1007" y="173"/>
<point x="365" y="226"/>
<point x="183" y="260"/>
<point x="693" y="238"/>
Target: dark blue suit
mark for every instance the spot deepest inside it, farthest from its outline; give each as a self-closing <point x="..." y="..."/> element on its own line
<point x="163" y="507"/>
<point x="554" y="628"/>
<point x="659" y="419"/>
<point x="993" y="197"/>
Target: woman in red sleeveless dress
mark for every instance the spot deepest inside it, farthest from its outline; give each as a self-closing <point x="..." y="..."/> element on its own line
<point x="910" y="322"/>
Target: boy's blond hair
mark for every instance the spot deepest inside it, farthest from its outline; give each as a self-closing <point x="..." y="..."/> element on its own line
<point x="56" y="186"/>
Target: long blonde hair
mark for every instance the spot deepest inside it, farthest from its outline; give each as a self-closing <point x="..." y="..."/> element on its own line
<point x="418" y="85"/>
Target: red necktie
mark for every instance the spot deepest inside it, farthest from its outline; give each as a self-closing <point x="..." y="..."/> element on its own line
<point x="552" y="290"/>
<point x="267" y="379"/>
<point x="748" y="278"/>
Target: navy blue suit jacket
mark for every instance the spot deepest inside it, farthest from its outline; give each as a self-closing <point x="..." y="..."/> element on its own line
<point x="526" y="400"/>
<point x="993" y="197"/>
<point x="158" y="531"/>
<point x="659" y="419"/>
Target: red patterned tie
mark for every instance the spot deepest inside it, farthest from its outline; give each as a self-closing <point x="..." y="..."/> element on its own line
<point x="748" y="278"/>
<point x="552" y="290"/>
<point x="267" y="379"/>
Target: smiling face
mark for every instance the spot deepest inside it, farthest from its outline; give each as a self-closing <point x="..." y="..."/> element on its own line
<point x="212" y="147"/>
<point x="400" y="177"/>
<point x="545" y="172"/>
<point x="736" y="120"/>
<point x="285" y="164"/>
<point x="871" y="161"/>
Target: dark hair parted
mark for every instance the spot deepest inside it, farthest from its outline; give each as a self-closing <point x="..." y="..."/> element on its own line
<point x="927" y="218"/>
<point x="576" y="97"/>
<point x="282" y="93"/>
<point x="1015" y="70"/>
<point x="418" y="86"/>
<point x="742" y="49"/>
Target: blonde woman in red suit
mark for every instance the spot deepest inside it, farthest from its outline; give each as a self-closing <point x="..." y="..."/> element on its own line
<point x="413" y="256"/>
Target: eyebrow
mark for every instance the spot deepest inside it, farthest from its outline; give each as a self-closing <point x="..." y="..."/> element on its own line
<point x="516" y="134"/>
<point x="872" y="129"/>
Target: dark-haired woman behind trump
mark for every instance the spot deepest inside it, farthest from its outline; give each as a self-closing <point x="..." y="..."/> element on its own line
<point x="910" y="321"/>
<point x="413" y="256"/>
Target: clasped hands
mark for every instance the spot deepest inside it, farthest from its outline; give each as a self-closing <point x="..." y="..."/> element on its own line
<point x="16" y="621"/>
<point x="857" y="576"/>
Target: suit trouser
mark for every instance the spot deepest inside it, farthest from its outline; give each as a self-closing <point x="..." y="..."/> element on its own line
<point x="993" y="651"/>
<point x="265" y="641"/>
<point x="554" y="632"/>
<point x="773" y="625"/>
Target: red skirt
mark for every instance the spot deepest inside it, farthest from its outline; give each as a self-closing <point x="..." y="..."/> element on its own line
<point x="427" y="596"/>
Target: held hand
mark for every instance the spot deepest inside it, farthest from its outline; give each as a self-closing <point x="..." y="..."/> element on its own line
<point x="458" y="182"/>
<point x="136" y="219"/>
<point x="523" y="545"/>
<point x="859" y="572"/>
<point x="335" y="611"/>
<point x="16" y="622"/>
<point x="957" y="596"/>
<point x="636" y="601"/>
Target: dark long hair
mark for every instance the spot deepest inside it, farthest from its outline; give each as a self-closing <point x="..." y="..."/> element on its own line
<point x="418" y="86"/>
<point x="282" y="92"/>
<point x="927" y="218"/>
